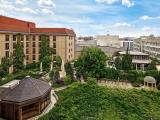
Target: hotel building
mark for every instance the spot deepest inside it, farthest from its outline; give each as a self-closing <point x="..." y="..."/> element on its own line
<point x="61" y="39"/>
<point x="149" y="45"/>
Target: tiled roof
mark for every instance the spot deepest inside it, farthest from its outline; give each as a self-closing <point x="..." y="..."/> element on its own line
<point x="52" y="30"/>
<point x="27" y="89"/>
<point x="16" y="25"/>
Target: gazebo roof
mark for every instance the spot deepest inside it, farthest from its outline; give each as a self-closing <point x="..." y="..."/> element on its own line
<point x="149" y="79"/>
<point x="27" y="89"/>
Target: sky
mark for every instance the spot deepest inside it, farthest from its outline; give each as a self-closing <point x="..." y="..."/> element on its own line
<point x="132" y="18"/>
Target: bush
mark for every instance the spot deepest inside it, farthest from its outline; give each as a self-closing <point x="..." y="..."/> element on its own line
<point x="68" y="80"/>
<point x="86" y="102"/>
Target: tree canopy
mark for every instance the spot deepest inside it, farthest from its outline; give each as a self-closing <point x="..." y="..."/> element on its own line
<point x="18" y="56"/>
<point x="92" y="62"/>
<point x="127" y="61"/>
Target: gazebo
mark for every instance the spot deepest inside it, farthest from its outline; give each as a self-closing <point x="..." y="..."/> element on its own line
<point x="149" y="81"/>
<point x="28" y="99"/>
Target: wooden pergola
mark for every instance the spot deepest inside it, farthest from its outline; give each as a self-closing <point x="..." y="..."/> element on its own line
<point x="149" y="82"/>
<point x="26" y="100"/>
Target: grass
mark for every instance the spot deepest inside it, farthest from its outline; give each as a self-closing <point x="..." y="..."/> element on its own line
<point x="92" y="102"/>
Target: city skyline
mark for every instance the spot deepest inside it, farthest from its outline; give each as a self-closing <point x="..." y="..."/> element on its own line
<point x="122" y="17"/>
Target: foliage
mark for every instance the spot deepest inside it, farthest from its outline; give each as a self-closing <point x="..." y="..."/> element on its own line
<point x="127" y="61"/>
<point x="68" y="80"/>
<point x="54" y="75"/>
<point x="33" y="65"/>
<point x="69" y="70"/>
<point x="118" y="63"/>
<point x="111" y="73"/>
<point x="91" y="102"/>
<point x="18" y="56"/>
<point x="91" y="62"/>
<point x="152" y="65"/>
<point x="59" y="61"/>
<point x="45" y="51"/>
<point x="91" y="81"/>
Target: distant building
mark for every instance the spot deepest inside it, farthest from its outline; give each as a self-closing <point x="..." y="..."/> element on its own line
<point x="149" y="45"/>
<point x="108" y="40"/>
<point x="83" y="44"/>
<point x="127" y="43"/>
<point x="110" y="51"/>
<point x="139" y="60"/>
<point x="88" y="38"/>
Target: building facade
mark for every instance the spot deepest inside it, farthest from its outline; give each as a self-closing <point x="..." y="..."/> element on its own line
<point x="127" y="43"/>
<point x="108" y="40"/>
<point x="149" y="45"/>
<point x="140" y="60"/>
<point x="62" y="40"/>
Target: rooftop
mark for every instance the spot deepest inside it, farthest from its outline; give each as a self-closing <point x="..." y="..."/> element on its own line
<point x="27" y="89"/>
<point x="8" y="24"/>
<point x="132" y="53"/>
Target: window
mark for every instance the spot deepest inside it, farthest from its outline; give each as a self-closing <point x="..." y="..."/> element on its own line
<point x="7" y="37"/>
<point x="27" y="38"/>
<point x="34" y="57"/>
<point x="27" y="51"/>
<point x="27" y="57"/>
<point x="7" y="46"/>
<point x="54" y="45"/>
<point x="54" y="38"/>
<point x="33" y="37"/>
<point x="34" y="51"/>
<point x="14" y="45"/>
<point x="14" y="37"/>
<point x="7" y="53"/>
<point x="34" y="44"/>
<point x="22" y="37"/>
<point x="54" y="51"/>
<point x="39" y="44"/>
<point x="27" y="44"/>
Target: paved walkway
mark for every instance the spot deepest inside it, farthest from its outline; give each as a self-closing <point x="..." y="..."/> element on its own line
<point x="54" y="99"/>
<point x="112" y="84"/>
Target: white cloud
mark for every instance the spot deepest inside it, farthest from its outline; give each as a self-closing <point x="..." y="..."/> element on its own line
<point x="10" y="7"/>
<point x="27" y="10"/>
<point x="123" y="24"/>
<point x="128" y="3"/>
<point x="47" y="11"/>
<point x="147" y="29"/>
<point x="46" y="3"/>
<point x="107" y="1"/>
<point x="21" y="2"/>
<point x="145" y="17"/>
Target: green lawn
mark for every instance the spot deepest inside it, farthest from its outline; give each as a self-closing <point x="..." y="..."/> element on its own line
<point x="91" y="102"/>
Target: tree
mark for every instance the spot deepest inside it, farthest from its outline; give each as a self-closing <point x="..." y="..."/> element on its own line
<point x="152" y="65"/>
<point x="54" y="75"/>
<point x="59" y="62"/>
<point x="45" y="51"/>
<point x="92" y="62"/>
<point x="118" y="63"/>
<point x="127" y="61"/>
<point x="18" y="56"/>
<point x="69" y="70"/>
